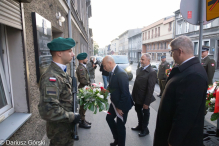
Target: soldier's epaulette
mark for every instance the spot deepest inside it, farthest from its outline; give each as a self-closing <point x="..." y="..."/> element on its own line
<point x="52" y="79"/>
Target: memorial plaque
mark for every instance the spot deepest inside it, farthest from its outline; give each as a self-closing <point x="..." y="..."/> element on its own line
<point x="42" y="34"/>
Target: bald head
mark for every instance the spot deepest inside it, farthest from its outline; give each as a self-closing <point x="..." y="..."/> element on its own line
<point x="108" y="63"/>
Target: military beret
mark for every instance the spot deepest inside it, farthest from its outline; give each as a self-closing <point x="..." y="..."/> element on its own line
<point x="82" y="56"/>
<point x="163" y="56"/>
<point x="61" y="44"/>
<point x="205" y="49"/>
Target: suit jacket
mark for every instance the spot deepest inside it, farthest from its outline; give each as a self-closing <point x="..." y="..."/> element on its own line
<point x="180" y="117"/>
<point x="209" y="65"/>
<point x="143" y="89"/>
<point x="119" y="90"/>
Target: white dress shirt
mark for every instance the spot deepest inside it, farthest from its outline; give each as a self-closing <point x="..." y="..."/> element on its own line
<point x="62" y="66"/>
<point x="187" y="60"/>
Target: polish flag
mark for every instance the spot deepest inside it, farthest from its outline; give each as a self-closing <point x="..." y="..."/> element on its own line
<point x="51" y="79"/>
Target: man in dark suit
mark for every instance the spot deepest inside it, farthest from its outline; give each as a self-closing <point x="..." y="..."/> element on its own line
<point x="120" y="98"/>
<point x="143" y="94"/>
<point x="180" y="117"/>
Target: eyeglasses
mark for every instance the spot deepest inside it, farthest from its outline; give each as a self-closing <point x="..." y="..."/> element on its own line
<point x="171" y="51"/>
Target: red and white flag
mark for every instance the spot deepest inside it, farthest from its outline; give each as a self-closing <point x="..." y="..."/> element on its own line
<point x="51" y="79"/>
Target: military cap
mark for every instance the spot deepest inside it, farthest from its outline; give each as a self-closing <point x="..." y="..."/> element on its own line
<point x="82" y="56"/>
<point x="205" y="48"/>
<point x="163" y="56"/>
<point x="61" y="44"/>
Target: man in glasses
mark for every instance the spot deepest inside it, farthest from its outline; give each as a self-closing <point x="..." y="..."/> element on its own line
<point x="180" y="117"/>
<point x="161" y="74"/>
<point x="208" y="64"/>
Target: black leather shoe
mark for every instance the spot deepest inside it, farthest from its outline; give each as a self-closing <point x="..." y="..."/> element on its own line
<point x="88" y="122"/>
<point x="115" y="143"/>
<point x="143" y="133"/>
<point x="84" y="125"/>
<point x="137" y="128"/>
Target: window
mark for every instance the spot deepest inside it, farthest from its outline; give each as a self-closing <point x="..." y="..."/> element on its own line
<point x="158" y="31"/>
<point x="148" y="34"/>
<point x="157" y="45"/>
<point x="145" y="35"/>
<point x="179" y="28"/>
<point x="196" y="48"/>
<point x="170" y="26"/>
<point x="187" y="27"/>
<point x="206" y="43"/>
<point x="155" y="32"/>
<point x="152" y="33"/>
<point x="5" y="86"/>
<point x="207" y="25"/>
<point x="196" y="27"/>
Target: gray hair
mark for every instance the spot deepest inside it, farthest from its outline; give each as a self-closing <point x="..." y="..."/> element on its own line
<point x="183" y="42"/>
<point x="148" y="56"/>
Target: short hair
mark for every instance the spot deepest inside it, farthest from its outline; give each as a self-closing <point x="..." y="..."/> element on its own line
<point x="147" y="55"/>
<point x="52" y="53"/>
<point x="183" y="42"/>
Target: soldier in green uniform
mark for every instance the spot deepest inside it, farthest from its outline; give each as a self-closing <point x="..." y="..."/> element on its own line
<point x="162" y="74"/>
<point x="208" y="64"/>
<point x="84" y="80"/>
<point x="56" y="98"/>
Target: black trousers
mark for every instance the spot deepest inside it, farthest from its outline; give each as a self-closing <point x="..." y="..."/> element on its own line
<point x="143" y="116"/>
<point x="117" y="127"/>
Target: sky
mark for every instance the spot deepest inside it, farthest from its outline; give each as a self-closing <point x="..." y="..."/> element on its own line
<point x="110" y="18"/>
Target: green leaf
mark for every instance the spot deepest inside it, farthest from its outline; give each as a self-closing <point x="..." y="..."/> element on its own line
<point x="95" y="110"/>
<point x="91" y="106"/>
<point x="86" y="105"/>
<point x="107" y="105"/>
<point x="214" y="116"/>
<point x="207" y="102"/>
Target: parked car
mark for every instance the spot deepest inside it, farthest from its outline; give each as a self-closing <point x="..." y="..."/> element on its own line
<point x="122" y="61"/>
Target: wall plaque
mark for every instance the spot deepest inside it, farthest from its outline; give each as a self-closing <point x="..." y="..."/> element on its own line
<point x="42" y="34"/>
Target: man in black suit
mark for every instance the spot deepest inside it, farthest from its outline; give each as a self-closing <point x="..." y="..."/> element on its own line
<point x="180" y="117"/>
<point x="143" y="94"/>
<point x="120" y="97"/>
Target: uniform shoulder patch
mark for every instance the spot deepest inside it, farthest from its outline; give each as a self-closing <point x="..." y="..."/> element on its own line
<point x="51" y="91"/>
<point x="81" y="69"/>
<point x="52" y="79"/>
<point x="212" y="64"/>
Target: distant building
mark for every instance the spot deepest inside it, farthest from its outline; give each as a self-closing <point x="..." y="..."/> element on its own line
<point x="210" y="35"/>
<point x="135" y="45"/>
<point x="156" y="38"/>
<point x="115" y="46"/>
<point x="124" y="42"/>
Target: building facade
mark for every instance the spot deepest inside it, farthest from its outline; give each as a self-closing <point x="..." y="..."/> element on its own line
<point x="210" y="35"/>
<point x="24" y="34"/>
<point x="156" y="38"/>
<point x="135" y="46"/>
<point x="115" y="46"/>
<point x="123" y="43"/>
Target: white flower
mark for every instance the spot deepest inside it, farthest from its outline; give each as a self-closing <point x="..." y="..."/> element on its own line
<point x="99" y="89"/>
<point x="82" y="96"/>
<point x="94" y="89"/>
<point x="212" y="100"/>
<point x="101" y="96"/>
<point x="98" y="94"/>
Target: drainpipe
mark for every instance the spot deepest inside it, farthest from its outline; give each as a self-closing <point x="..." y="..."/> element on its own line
<point x="70" y="32"/>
